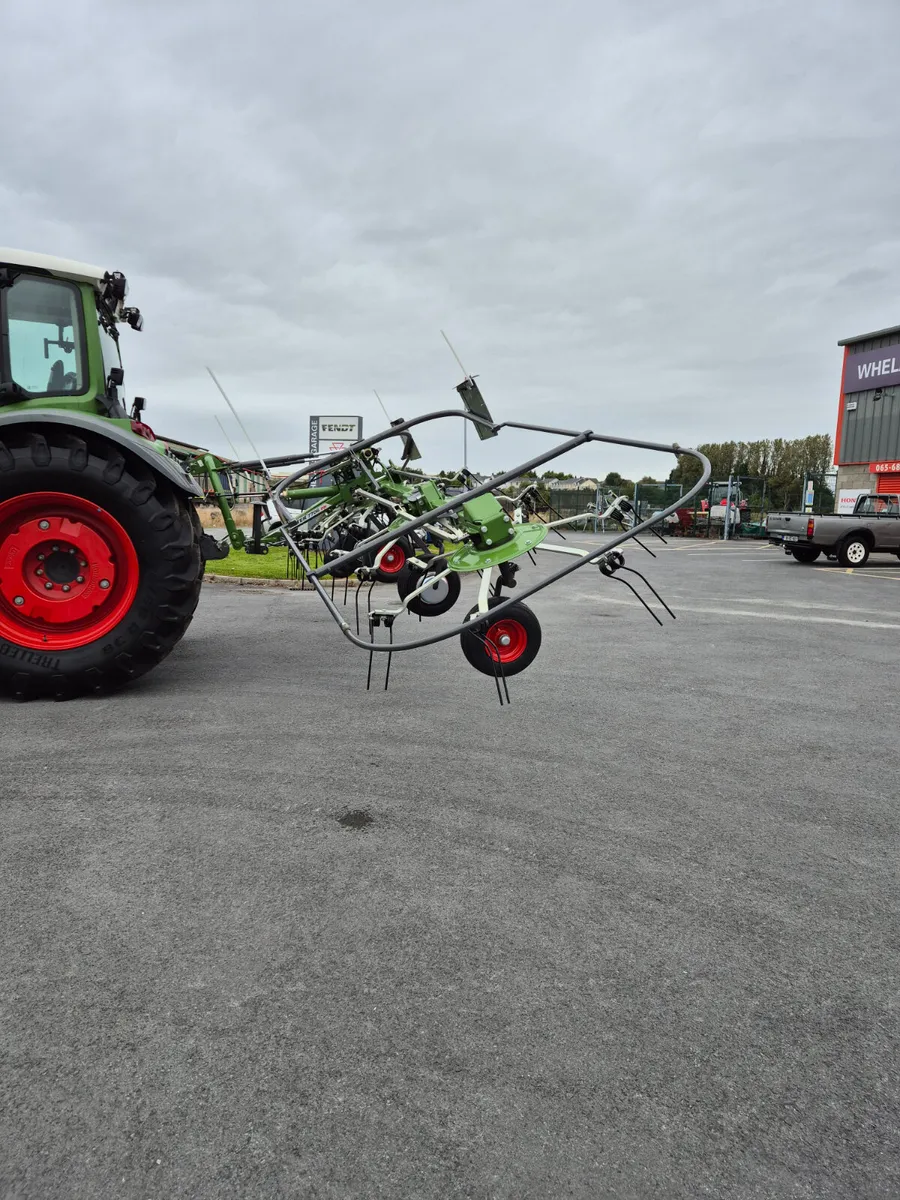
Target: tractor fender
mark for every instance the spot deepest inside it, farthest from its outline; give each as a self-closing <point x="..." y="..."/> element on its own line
<point x="135" y="445"/>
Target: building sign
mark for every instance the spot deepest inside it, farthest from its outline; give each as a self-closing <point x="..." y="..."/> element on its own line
<point x="872" y="369"/>
<point x="330" y="434"/>
<point x="847" y="498"/>
<point x="885" y="468"/>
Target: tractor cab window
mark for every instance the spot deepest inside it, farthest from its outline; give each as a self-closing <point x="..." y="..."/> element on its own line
<point x="46" y="355"/>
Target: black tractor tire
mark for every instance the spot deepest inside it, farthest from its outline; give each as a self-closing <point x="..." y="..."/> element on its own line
<point x="853" y="551"/>
<point x="518" y="623"/>
<point x="434" y="601"/>
<point x="197" y="526"/>
<point x="805" y="554"/>
<point x="131" y="536"/>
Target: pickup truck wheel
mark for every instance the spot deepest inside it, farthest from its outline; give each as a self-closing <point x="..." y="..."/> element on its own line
<point x="805" y="554"/>
<point x="854" y="552"/>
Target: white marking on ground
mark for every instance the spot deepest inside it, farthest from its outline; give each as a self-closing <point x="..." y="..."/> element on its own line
<point x="804" y="604"/>
<point x="749" y="612"/>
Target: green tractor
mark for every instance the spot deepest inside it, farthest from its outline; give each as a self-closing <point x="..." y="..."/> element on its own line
<point x="101" y="548"/>
<point x="100" y="540"/>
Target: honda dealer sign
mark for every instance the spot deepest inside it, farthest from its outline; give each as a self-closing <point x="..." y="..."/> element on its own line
<point x="847" y="498"/>
<point x="330" y="434"/>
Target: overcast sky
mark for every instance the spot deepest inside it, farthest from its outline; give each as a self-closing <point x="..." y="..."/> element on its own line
<point x="652" y="219"/>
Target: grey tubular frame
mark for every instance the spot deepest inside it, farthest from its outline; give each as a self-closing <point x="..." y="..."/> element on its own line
<point x="574" y="439"/>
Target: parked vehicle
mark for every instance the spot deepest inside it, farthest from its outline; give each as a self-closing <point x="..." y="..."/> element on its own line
<point x="872" y="528"/>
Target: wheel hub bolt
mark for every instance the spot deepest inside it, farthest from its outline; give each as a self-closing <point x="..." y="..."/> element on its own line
<point x="40" y="558"/>
<point x="55" y="549"/>
<point x="104" y="583"/>
<point x="505" y="639"/>
<point x="79" y="579"/>
<point x="19" y="600"/>
<point x="49" y="586"/>
<point x="43" y="524"/>
<point x="39" y="571"/>
<point x="66" y="587"/>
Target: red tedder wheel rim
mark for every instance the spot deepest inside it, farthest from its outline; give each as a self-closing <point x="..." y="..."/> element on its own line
<point x="68" y="571"/>
<point x="506" y="640"/>
<point x="393" y="560"/>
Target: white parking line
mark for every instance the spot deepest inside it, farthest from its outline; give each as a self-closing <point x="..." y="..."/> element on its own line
<point x="748" y="612"/>
<point x="804" y="604"/>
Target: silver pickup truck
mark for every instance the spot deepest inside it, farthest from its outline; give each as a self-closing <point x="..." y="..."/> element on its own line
<point x="872" y="527"/>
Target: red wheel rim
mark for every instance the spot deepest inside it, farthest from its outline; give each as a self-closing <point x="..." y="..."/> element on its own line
<point x="506" y="640"/>
<point x="68" y="571"/>
<point x="393" y="560"/>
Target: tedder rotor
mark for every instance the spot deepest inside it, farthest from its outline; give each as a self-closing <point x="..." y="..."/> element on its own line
<point x="101" y="548"/>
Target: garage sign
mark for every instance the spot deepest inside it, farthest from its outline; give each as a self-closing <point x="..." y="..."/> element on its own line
<point x="872" y="369"/>
<point x="330" y="434"/>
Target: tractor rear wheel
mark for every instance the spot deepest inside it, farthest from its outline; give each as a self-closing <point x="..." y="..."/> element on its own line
<point x="100" y="564"/>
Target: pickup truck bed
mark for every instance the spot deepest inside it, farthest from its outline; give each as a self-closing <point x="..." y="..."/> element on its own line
<point x="874" y="528"/>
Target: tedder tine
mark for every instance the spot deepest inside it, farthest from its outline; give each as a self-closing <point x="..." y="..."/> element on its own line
<point x="387" y="673"/>
<point x="356" y="605"/>
<point x="652" y="589"/>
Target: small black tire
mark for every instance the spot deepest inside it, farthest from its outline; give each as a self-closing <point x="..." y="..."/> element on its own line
<point x="127" y="523"/>
<point x="518" y="622"/>
<point x="393" y="561"/>
<point x="435" y="600"/>
<point x="805" y="554"/>
<point x="853" y="551"/>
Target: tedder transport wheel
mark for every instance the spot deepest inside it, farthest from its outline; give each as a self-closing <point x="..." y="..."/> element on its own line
<point x="100" y="564"/>
<point x="805" y="554"/>
<point x="513" y="638"/>
<point x="437" y="598"/>
<point x="393" y="561"/>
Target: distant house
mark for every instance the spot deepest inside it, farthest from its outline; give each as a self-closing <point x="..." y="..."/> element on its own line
<point x="579" y="484"/>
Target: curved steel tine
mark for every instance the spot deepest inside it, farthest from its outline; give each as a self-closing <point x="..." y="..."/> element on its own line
<point x="356" y="603"/>
<point x="371" y="655"/>
<point x="387" y="673"/>
<point x="625" y="583"/>
<point x="346" y="587"/>
<point x="554" y="512"/>
<point x="652" y="589"/>
<point x="369" y="596"/>
<point x="638" y="542"/>
<point x="497" y="663"/>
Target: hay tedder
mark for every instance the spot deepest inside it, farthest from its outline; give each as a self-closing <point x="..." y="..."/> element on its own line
<point x="102" y="552"/>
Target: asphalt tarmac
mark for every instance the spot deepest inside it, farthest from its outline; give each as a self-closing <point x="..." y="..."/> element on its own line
<point x="265" y="934"/>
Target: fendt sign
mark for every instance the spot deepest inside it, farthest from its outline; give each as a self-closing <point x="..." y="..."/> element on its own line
<point x="872" y="369"/>
<point x="329" y="434"/>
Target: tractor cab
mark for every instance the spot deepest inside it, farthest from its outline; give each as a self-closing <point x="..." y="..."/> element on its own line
<point x="59" y="340"/>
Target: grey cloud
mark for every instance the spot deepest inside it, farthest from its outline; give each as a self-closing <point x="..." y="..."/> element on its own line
<point x="627" y="216"/>
<point x="862" y="277"/>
